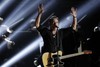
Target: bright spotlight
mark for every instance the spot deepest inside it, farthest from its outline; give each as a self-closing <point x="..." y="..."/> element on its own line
<point x="25" y="25"/>
<point x="7" y="28"/>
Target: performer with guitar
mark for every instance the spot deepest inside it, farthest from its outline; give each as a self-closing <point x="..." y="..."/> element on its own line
<point x="52" y="39"/>
<point x="50" y="36"/>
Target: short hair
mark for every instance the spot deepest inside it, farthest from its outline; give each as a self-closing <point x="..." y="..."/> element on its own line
<point x="51" y="19"/>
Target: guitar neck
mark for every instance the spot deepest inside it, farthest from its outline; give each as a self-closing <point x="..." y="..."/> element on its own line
<point x="71" y="55"/>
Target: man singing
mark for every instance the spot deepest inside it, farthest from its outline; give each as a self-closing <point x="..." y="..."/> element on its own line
<point x="52" y="38"/>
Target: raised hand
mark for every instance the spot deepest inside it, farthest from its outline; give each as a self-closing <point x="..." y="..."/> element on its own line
<point x="74" y="12"/>
<point x="38" y="18"/>
<point x="40" y="9"/>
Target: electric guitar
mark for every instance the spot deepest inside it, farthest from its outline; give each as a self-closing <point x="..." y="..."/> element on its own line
<point x="48" y="59"/>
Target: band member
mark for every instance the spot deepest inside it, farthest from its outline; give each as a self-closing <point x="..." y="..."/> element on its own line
<point x="51" y="37"/>
<point x="71" y="39"/>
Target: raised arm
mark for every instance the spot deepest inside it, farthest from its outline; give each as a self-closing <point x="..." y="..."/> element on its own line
<point x="40" y="12"/>
<point x="74" y="14"/>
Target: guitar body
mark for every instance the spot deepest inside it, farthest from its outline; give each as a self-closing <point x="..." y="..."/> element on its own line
<point x="48" y="60"/>
<point x="45" y="59"/>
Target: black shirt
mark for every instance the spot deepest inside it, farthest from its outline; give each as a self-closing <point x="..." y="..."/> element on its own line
<point x="51" y="44"/>
<point x="70" y="41"/>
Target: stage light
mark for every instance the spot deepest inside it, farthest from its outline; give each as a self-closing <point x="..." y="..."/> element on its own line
<point x="27" y="10"/>
<point x="26" y="24"/>
<point x="26" y="51"/>
<point x="5" y="28"/>
<point x="14" y="13"/>
<point x="10" y="19"/>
